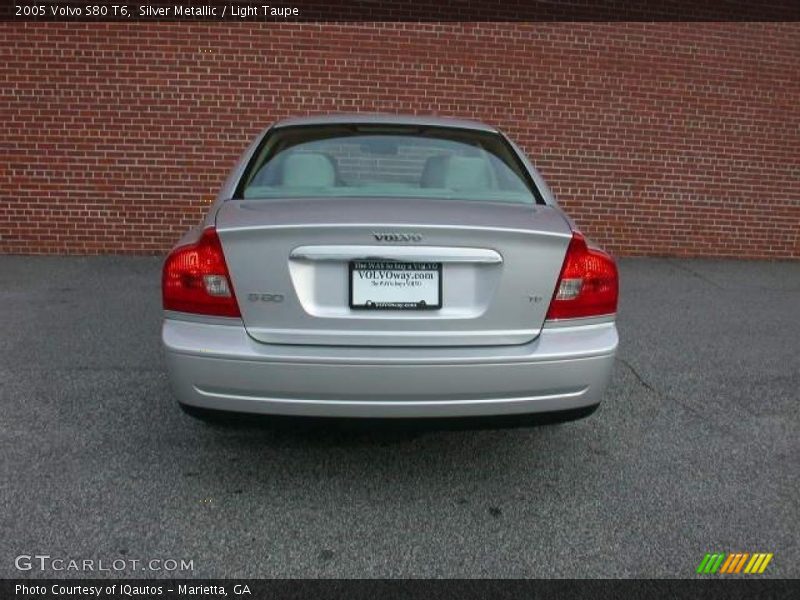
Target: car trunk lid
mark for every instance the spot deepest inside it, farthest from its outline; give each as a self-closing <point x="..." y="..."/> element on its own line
<point x="291" y="263"/>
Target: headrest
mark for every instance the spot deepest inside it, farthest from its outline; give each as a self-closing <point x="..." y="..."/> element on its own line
<point x="456" y="173"/>
<point x="467" y="173"/>
<point x="308" y="169"/>
<point x="433" y="172"/>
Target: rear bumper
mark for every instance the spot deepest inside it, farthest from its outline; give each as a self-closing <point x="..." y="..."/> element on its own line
<point x="218" y="366"/>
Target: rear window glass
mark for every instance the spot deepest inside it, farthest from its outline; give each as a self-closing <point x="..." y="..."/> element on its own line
<point x="386" y="162"/>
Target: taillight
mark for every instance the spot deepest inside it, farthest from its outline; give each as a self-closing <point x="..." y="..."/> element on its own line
<point x="195" y="279"/>
<point x="588" y="285"/>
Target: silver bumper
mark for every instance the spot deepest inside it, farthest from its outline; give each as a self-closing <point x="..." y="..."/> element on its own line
<point x="218" y="366"/>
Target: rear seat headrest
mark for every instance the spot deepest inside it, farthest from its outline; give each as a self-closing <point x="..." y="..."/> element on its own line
<point x="456" y="172"/>
<point x="308" y="169"/>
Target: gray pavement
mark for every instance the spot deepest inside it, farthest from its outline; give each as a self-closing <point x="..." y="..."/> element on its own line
<point x="695" y="448"/>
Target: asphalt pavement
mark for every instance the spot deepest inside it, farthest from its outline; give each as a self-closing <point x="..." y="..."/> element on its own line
<point x="694" y="450"/>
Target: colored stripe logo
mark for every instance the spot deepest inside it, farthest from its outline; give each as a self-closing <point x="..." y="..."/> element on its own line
<point x="734" y="563"/>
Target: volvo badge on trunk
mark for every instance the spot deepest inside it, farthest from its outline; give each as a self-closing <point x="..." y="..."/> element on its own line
<point x="398" y="237"/>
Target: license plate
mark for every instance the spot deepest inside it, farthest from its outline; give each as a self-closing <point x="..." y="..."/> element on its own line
<point x="380" y="285"/>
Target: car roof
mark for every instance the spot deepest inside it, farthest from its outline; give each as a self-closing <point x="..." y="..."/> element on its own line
<point x="384" y="119"/>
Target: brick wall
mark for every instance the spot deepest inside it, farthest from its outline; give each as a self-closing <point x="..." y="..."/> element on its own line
<point x="664" y="138"/>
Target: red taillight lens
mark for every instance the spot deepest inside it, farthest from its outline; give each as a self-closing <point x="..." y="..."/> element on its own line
<point x="195" y="279"/>
<point x="588" y="285"/>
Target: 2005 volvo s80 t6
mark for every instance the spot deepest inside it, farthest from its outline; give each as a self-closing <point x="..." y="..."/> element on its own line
<point x="369" y="266"/>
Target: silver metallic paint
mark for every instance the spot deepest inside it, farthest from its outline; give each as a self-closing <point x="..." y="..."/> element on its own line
<point x="215" y="362"/>
<point x="220" y="366"/>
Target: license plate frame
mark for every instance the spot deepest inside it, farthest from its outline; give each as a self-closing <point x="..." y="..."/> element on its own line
<point x="398" y="266"/>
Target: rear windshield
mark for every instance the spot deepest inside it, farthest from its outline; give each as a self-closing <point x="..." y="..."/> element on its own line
<point x="387" y="162"/>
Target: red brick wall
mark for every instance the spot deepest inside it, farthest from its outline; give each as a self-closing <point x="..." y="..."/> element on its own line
<point x="680" y="139"/>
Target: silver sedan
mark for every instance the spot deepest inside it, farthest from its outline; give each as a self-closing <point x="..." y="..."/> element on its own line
<point x="369" y="266"/>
